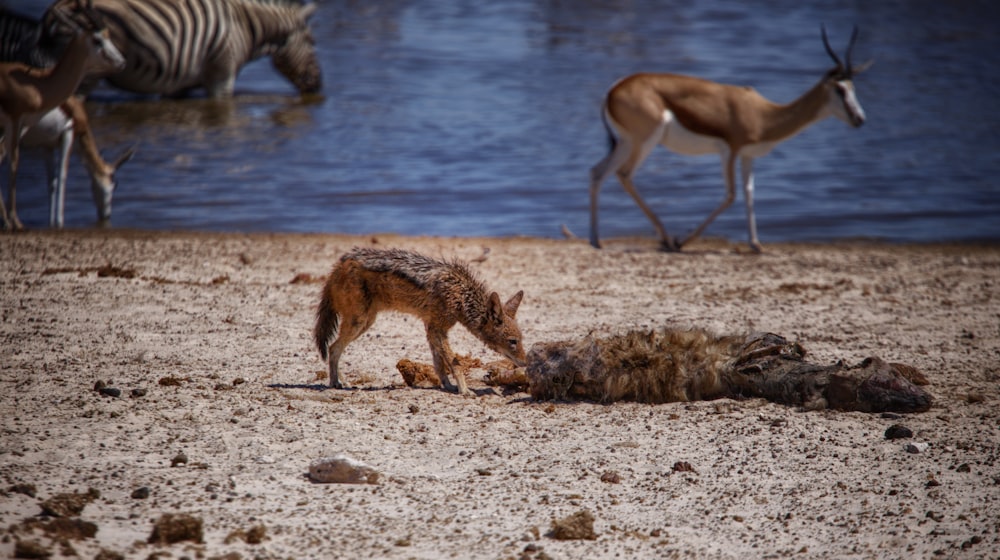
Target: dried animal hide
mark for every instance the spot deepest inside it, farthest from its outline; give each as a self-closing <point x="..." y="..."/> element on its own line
<point x="685" y="365"/>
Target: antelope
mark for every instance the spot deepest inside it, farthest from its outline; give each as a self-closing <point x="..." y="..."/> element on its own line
<point x="54" y="135"/>
<point x="27" y="94"/>
<point x="693" y="116"/>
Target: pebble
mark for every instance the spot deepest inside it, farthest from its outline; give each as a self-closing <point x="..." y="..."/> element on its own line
<point x="141" y="493"/>
<point x="611" y="477"/>
<point x="683" y="466"/>
<point x="110" y="392"/>
<point x="898" y="431"/>
<point x="916" y="447"/>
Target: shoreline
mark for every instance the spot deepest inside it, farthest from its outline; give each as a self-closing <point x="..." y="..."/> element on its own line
<point x="703" y="242"/>
<point x="229" y="317"/>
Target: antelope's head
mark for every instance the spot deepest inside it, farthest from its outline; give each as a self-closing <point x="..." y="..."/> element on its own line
<point x="843" y="100"/>
<point x="90" y="33"/>
<point x="103" y="183"/>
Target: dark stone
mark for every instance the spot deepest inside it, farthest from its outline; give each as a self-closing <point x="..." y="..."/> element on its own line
<point x="898" y="431"/>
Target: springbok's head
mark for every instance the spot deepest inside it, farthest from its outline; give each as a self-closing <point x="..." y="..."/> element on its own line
<point x="89" y="32"/>
<point x="296" y="58"/>
<point x="103" y="183"/>
<point x="843" y="99"/>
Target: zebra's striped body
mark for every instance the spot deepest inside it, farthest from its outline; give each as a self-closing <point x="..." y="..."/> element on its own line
<point x="174" y="46"/>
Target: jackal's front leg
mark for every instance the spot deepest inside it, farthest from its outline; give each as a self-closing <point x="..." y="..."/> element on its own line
<point x="444" y="361"/>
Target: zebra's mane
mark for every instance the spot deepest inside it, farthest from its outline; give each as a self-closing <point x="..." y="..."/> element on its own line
<point x="20" y="41"/>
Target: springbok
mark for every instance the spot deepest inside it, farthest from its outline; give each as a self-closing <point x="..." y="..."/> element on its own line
<point x="27" y="94"/>
<point x="53" y="136"/>
<point x="693" y="116"/>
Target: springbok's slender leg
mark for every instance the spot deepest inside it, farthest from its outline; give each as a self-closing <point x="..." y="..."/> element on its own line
<point x="11" y="221"/>
<point x="65" y="146"/>
<point x="56" y="169"/>
<point x="728" y="174"/>
<point x="666" y="242"/>
<point x="624" y="160"/>
<point x="8" y="144"/>
<point x="746" y="169"/>
<point x="598" y="174"/>
<point x="52" y="184"/>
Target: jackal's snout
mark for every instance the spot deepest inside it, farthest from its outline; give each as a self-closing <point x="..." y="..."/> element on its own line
<point x="503" y="334"/>
<point x="516" y="354"/>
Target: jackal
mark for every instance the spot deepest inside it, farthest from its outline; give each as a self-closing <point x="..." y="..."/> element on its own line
<point x="366" y="281"/>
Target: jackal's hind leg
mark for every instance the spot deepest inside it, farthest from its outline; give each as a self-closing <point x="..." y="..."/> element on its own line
<point x="349" y="332"/>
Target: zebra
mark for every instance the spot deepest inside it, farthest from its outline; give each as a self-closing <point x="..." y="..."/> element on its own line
<point x="172" y="47"/>
<point x="21" y="40"/>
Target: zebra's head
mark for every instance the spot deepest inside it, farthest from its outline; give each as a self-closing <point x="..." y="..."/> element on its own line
<point x="296" y="58"/>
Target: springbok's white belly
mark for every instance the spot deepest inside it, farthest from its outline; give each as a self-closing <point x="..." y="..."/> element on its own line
<point x="679" y="139"/>
<point x="46" y="132"/>
<point x="42" y="132"/>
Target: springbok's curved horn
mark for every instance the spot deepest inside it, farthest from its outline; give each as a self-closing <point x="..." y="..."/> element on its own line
<point x="850" y="47"/>
<point x="92" y="16"/>
<point x="64" y="19"/>
<point x="829" y="49"/>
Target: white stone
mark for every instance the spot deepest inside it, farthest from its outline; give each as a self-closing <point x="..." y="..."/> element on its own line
<point x="916" y="447"/>
<point x="342" y="469"/>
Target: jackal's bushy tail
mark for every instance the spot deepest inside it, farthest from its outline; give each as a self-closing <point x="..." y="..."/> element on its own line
<point x="326" y="322"/>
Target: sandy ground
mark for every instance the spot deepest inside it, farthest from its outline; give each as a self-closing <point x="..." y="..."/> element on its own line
<point x="217" y="331"/>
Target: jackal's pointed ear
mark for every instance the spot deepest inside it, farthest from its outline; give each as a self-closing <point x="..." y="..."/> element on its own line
<point x="495" y="312"/>
<point x="510" y="308"/>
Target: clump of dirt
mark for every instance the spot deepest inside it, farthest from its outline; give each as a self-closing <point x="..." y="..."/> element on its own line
<point x="62" y="528"/>
<point x="172" y="528"/>
<point x="503" y="373"/>
<point x="68" y="505"/>
<point x="306" y="278"/>
<point x="30" y="549"/>
<point x="253" y="535"/>
<point x="578" y="526"/>
<point x="416" y="374"/>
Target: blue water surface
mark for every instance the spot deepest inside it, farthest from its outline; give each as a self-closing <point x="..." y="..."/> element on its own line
<point x="483" y="118"/>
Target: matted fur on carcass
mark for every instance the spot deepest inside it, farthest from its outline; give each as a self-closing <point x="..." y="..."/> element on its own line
<point x="669" y="365"/>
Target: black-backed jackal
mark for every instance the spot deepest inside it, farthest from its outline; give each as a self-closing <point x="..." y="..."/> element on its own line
<point x="366" y="281"/>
